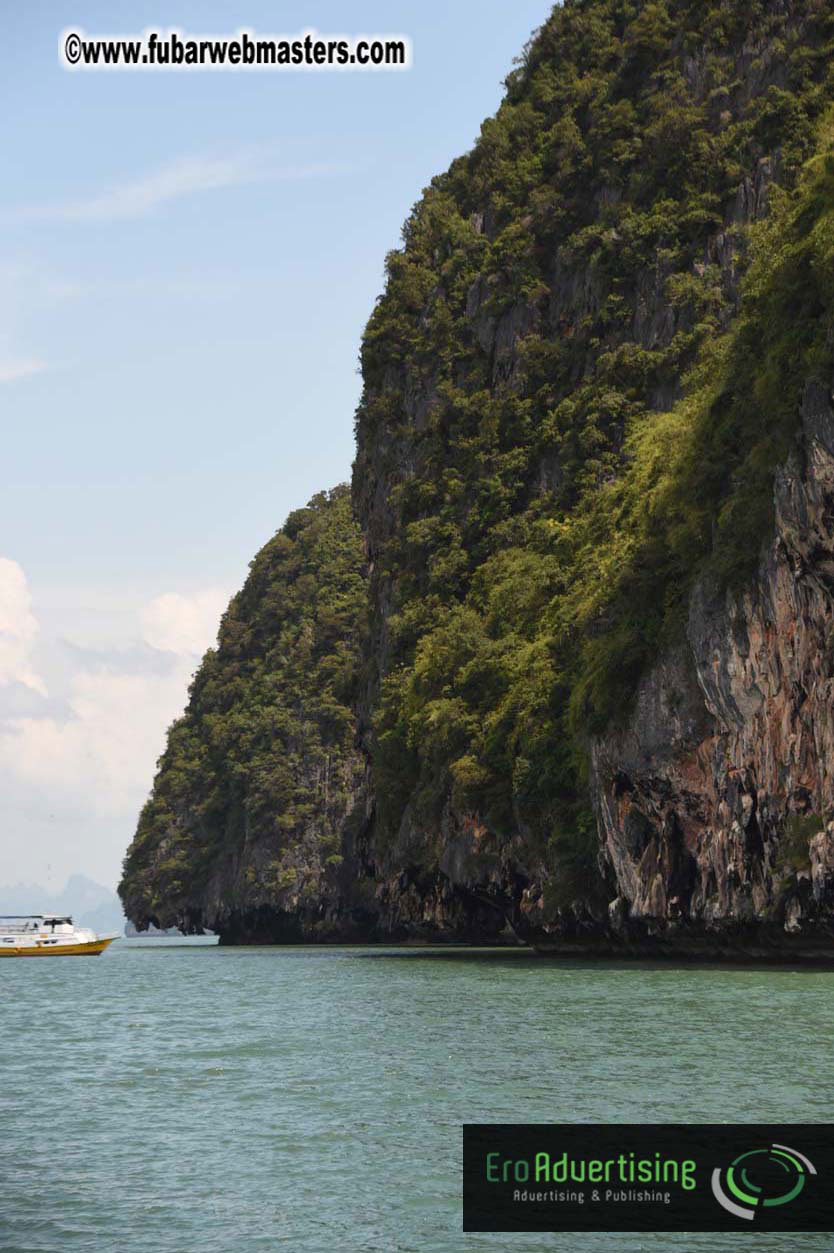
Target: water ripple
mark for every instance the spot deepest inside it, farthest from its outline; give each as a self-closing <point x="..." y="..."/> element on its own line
<point x="312" y="1099"/>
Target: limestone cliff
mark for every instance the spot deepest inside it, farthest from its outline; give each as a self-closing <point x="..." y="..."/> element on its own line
<point x="246" y="826"/>
<point x="713" y="799"/>
<point x="583" y="645"/>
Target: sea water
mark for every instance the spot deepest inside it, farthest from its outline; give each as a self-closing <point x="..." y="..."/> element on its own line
<point x="164" y="1098"/>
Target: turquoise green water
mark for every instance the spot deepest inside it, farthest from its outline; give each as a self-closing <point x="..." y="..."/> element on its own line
<point x="159" y="1100"/>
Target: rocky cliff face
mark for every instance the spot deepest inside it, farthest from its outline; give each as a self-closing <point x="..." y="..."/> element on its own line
<point x="585" y="657"/>
<point x="712" y="801"/>
<point x="704" y="792"/>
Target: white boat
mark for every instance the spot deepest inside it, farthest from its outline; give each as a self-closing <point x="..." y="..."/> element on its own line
<point x="48" y="935"/>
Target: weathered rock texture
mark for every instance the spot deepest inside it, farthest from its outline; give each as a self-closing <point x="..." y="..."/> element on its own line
<point x="711" y="801"/>
<point x="707" y="798"/>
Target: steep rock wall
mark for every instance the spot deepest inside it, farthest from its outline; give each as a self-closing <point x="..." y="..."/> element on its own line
<point x="410" y="436"/>
<point x="712" y="801"/>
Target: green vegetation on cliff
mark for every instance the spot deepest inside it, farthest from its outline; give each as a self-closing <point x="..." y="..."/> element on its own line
<point x="260" y="771"/>
<point x="572" y="410"/>
<point x="584" y="371"/>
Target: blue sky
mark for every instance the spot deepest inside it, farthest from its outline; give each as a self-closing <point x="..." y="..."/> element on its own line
<point x="187" y="262"/>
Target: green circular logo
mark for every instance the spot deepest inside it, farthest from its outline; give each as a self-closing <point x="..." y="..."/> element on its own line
<point x="761" y="1178"/>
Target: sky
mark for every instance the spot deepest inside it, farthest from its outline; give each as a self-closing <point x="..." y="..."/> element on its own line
<point x="187" y="262"/>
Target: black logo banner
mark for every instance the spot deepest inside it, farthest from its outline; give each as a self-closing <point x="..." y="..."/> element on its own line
<point x="648" y="1177"/>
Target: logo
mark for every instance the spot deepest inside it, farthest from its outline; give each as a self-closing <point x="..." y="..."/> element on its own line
<point x="761" y="1178"/>
<point x="617" y="1177"/>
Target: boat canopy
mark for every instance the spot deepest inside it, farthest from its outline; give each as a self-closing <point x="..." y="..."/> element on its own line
<point x="35" y="918"/>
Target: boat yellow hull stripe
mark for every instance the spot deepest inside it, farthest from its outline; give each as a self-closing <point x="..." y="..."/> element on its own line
<point x="90" y="949"/>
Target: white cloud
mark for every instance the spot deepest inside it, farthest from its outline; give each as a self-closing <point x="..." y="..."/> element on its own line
<point x="185" y="625"/>
<point x="18" y="629"/>
<point x="103" y="752"/>
<point x="95" y="747"/>
<point x="139" y="196"/>
<point x="186" y="176"/>
<point x="19" y="286"/>
<point x="20" y="368"/>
